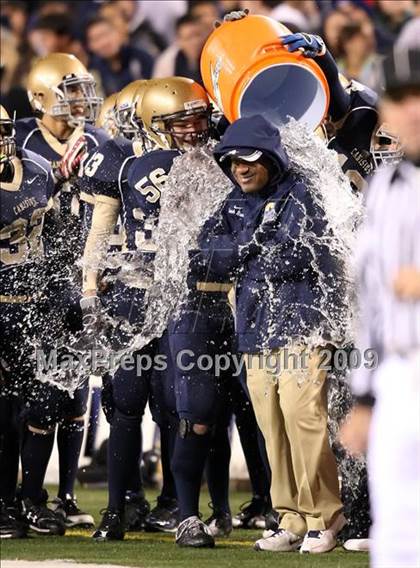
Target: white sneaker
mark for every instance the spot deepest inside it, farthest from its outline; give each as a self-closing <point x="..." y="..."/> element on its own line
<point x="357" y="544"/>
<point x="316" y="542"/>
<point x="280" y="541"/>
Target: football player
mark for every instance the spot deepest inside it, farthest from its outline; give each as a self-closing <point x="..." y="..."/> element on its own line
<point x="62" y="95"/>
<point x="175" y="114"/>
<point x="129" y="394"/>
<point x="353" y="127"/>
<point x="27" y="188"/>
<point x="106" y="118"/>
<point x="205" y="325"/>
<point x="100" y="172"/>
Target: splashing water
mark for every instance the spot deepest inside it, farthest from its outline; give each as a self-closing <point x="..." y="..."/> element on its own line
<point x="342" y="211"/>
<point x="195" y="190"/>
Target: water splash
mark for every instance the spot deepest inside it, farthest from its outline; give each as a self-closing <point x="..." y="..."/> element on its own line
<point x="342" y="208"/>
<point x="195" y="190"/>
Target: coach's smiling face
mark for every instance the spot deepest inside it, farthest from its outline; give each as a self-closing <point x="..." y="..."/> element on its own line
<point x="250" y="176"/>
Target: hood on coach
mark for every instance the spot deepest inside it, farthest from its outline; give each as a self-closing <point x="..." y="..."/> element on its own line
<point x="248" y="137"/>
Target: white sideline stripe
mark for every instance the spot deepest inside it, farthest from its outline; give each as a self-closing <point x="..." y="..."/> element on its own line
<point x="54" y="564"/>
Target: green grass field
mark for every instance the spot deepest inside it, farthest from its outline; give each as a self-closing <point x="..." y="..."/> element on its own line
<point x="153" y="550"/>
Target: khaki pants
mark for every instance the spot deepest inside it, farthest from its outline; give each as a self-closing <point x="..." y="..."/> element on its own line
<point x="291" y="409"/>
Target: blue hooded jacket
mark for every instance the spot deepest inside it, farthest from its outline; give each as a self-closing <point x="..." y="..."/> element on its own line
<point x="273" y="242"/>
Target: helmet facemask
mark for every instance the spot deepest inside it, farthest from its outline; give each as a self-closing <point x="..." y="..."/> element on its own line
<point x="131" y="126"/>
<point x="7" y="140"/>
<point x="125" y="119"/>
<point x="183" y="130"/>
<point x="77" y="101"/>
<point x="386" y="148"/>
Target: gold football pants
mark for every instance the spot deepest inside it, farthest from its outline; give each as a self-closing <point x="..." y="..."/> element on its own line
<point x="290" y="403"/>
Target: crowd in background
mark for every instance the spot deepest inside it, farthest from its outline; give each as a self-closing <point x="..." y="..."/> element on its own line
<point x="123" y="40"/>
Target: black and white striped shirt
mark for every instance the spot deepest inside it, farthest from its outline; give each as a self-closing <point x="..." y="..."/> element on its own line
<point x="389" y="241"/>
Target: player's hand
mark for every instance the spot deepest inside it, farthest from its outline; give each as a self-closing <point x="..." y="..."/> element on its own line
<point x="310" y="45"/>
<point x="407" y="283"/>
<point x="232" y="17"/>
<point x="354" y="432"/>
<point x="75" y="153"/>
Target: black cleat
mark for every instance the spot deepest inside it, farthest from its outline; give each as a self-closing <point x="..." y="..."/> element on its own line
<point x="71" y="514"/>
<point x="112" y="526"/>
<point x="136" y="510"/>
<point x="272" y="522"/>
<point x="220" y="524"/>
<point x="42" y="520"/>
<point x="252" y="514"/>
<point x="163" y="517"/>
<point x="193" y="532"/>
<point x="11" y="524"/>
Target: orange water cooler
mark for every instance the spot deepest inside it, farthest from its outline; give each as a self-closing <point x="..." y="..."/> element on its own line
<point x="247" y="71"/>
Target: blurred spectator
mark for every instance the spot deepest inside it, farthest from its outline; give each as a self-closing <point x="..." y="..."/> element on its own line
<point x="53" y="32"/>
<point x="12" y="95"/>
<point x="116" y="62"/>
<point x="183" y="58"/>
<point x="332" y="28"/>
<point x="355" y="13"/>
<point x="260" y="7"/>
<point x="112" y="12"/>
<point x="206" y="12"/>
<point x="163" y="14"/>
<point x="16" y="16"/>
<point x="54" y="7"/>
<point x="389" y="18"/>
<point x="358" y="59"/>
<point x="142" y="34"/>
<point x="290" y="12"/>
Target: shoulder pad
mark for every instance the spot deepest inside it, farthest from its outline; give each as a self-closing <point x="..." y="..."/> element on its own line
<point x="35" y="162"/>
<point x="23" y="127"/>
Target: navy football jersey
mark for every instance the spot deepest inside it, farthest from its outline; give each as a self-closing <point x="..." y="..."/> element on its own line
<point x="23" y="204"/>
<point x="353" y="137"/>
<point x="101" y="172"/>
<point x="102" y="167"/>
<point x="140" y="185"/>
<point x="31" y="134"/>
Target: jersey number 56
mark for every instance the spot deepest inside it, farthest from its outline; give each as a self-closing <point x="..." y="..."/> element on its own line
<point x="151" y="186"/>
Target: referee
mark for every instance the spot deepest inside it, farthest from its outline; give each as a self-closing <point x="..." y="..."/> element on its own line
<point x="386" y="420"/>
